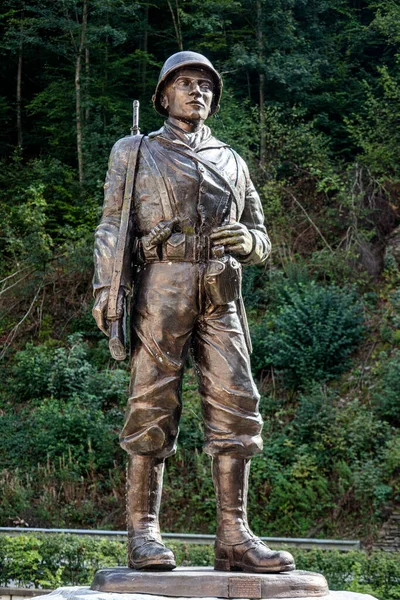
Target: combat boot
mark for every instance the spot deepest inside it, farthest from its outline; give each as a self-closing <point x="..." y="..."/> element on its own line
<point x="144" y="487"/>
<point x="236" y="547"/>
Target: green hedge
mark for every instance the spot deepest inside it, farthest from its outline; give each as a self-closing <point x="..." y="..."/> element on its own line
<point x="53" y="560"/>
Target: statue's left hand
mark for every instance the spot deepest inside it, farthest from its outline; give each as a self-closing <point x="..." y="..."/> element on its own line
<point x="235" y="238"/>
<point x="99" y="310"/>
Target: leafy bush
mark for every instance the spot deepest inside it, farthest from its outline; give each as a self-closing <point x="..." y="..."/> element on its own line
<point x="74" y="408"/>
<point x="312" y="335"/>
<point x="315" y="415"/>
<point x="323" y="460"/>
<point x="64" y="373"/>
<point x="49" y="561"/>
<point x="373" y="128"/>
<point x="386" y="393"/>
<point x="53" y="560"/>
<point x="377" y="573"/>
<point x="59" y="437"/>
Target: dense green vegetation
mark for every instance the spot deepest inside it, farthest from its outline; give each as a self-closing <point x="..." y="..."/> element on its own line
<point x="57" y="560"/>
<point x="312" y="102"/>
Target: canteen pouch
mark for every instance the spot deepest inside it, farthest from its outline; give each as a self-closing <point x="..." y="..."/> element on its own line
<point x="222" y="280"/>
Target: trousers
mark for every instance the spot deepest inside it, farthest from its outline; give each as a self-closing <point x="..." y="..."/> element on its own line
<point x="170" y="317"/>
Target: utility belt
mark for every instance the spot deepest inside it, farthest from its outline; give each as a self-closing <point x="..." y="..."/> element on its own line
<point x="223" y="273"/>
<point x="179" y="247"/>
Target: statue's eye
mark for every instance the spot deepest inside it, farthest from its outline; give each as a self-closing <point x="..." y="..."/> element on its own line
<point x="183" y="83"/>
<point x="206" y="86"/>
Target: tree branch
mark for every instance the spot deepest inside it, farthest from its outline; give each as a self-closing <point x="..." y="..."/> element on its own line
<point x="309" y="218"/>
<point x="14" y="330"/>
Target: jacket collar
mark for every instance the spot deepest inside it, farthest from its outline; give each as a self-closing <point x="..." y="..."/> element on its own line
<point x="200" y="140"/>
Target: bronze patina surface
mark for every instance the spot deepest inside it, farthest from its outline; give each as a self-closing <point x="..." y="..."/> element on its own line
<point x="204" y="582"/>
<point x="180" y="217"/>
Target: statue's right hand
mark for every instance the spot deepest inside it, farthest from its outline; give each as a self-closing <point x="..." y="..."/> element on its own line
<point x="160" y="233"/>
<point x="99" y="310"/>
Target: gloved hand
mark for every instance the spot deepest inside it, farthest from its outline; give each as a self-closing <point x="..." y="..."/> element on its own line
<point x="235" y="237"/>
<point x="99" y="310"/>
<point x="160" y="233"/>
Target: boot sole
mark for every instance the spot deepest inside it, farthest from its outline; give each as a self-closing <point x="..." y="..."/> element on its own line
<point x="221" y="564"/>
<point x="153" y="565"/>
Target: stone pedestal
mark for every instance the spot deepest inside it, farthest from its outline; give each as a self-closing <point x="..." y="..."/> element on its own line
<point x="205" y="582"/>
<point x="84" y="593"/>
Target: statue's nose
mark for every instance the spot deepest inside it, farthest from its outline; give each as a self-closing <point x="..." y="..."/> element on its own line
<point x="195" y="89"/>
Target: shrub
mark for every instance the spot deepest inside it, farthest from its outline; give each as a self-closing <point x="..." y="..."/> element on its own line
<point x="377" y="573"/>
<point x="386" y="393"/>
<point x="312" y="335"/>
<point x="65" y="372"/>
<point x="54" y="560"/>
<point x="315" y="415"/>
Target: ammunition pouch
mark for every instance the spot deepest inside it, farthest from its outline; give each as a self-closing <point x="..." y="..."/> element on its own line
<point x="223" y="280"/>
<point x="174" y="247"/>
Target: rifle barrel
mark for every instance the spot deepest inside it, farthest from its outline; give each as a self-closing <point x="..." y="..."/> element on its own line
<point x="135" y="126"/>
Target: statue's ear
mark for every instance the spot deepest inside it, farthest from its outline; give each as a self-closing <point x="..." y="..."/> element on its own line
<point x="164" y="101"/>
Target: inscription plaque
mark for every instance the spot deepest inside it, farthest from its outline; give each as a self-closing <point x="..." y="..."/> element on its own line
<point x="244" y="587"/>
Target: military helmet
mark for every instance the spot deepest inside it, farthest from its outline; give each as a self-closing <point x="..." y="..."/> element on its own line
<point x="188" y="59"/>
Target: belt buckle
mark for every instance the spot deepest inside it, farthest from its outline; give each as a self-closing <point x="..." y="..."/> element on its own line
<point x="206" y="247"/>
<point x="200" y="248"/>
<point x="203" y="249"/>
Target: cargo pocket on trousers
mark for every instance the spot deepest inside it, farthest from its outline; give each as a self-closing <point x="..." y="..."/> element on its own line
<point x="175" y="247"/>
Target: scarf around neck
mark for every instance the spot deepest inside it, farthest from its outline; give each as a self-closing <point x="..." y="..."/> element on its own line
<point x="193" y="140"/>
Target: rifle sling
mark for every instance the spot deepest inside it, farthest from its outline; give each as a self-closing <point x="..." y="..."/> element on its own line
<point x="188" y="153"/>
<point x="123" y="229"/>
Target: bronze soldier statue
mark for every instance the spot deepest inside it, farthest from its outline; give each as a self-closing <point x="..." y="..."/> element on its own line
<point x="195" y="217"/>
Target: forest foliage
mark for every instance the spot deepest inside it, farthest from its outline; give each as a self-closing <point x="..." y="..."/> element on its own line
<point x="311" y="101"/>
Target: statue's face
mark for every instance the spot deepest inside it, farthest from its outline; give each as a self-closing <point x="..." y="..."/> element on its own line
<point x="189" y="95"/>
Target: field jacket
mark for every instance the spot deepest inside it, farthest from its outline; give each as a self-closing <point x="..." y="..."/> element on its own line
<point x="197" y="196"/>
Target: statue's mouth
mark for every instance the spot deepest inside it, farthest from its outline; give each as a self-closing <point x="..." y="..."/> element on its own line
<point x="195" y="103"/>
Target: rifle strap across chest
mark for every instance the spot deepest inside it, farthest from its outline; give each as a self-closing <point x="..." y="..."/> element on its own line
<point x="188" y="153"/>
<point x="136" y="142"/>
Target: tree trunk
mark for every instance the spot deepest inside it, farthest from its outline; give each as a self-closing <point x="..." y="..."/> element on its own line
<point x="19" y="84"/>
<point x="263" y="136"/>
<point x="145" y="48"/>
<point x="19" y="93"/>
<point x="261" y="83"/>
<point x="79" y="118"/>
<point x="105" y="81"/>
<point x="87" y="82"/>
<point x="105" y="76"/>
<point x="178" y="20"/>
<point x="78" y="68"/>
<point x="248" y="85"/>
<point x="177" y="24"/>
